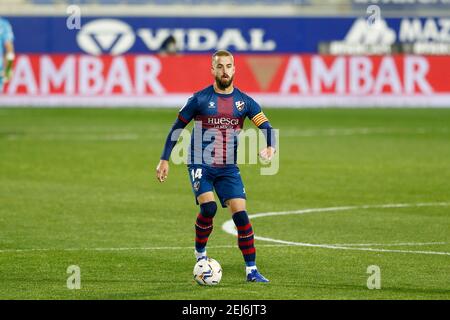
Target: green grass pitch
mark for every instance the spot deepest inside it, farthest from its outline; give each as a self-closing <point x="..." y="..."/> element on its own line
<point x="78" y="187"/>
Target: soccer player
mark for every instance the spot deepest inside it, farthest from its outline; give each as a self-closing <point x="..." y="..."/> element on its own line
<point x="6" y="52"/>
<point x="221" y="109"/>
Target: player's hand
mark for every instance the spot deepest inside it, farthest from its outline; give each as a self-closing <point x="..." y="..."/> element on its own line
<point x="162" y="170"/>
<point x="267" y="153"/>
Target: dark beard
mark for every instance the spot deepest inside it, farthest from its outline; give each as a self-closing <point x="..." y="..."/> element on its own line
<point x="223" y="83"/>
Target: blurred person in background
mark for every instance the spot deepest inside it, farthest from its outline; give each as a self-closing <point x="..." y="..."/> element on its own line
<point x="6" y="52"/>
<point x="169" y="46"/>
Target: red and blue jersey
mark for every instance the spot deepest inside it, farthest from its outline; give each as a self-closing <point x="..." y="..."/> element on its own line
<point x="218" y="120"/>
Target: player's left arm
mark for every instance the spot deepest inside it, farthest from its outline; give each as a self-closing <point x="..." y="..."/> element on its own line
<point x="262" y="122"/>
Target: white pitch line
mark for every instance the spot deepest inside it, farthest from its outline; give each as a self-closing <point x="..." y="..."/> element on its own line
<point x="228" y="226"/>
<point x="125" y="249"/>
<point x="318" y="210"/>
<point x="400" y="244"/>
<point x="326" y="246"/>
<point x="284" y="244"/>
<point x="358" y="131"/>
<point x="79" y="135"/>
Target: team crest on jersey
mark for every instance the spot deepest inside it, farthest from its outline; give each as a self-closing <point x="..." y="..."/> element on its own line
<point x="211" y="105"/>
<point x="196" y="185"/>
<point x="239" y="105"/>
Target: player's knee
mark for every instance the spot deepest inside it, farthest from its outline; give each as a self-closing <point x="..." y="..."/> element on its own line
<point x="208" y="209"/>
<point x="236" y="205"/>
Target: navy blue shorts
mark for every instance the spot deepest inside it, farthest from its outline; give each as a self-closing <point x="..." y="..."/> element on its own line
<point x="226" y="181"/>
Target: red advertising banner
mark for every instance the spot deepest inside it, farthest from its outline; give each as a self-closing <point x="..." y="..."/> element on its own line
<point x="275" y="80"/>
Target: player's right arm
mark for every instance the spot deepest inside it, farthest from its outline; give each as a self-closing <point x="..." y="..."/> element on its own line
<point x="185" y="115"/>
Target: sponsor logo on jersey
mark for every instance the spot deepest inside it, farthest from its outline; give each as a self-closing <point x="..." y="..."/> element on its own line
<point x="223" y="121"/>
<point x="211" y="105"/>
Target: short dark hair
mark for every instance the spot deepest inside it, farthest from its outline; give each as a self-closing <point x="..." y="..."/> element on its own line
<point x="222" y="53"/>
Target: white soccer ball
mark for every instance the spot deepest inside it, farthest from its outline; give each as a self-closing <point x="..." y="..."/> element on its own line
<point x="207" y="272"/>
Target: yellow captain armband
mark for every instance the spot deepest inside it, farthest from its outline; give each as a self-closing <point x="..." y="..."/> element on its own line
<point x="259" y="119"/>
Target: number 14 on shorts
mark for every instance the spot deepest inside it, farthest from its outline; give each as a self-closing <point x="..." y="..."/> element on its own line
<point x="196" y="174"/>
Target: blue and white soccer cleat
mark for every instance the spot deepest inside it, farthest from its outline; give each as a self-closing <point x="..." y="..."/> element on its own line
<point x="200" y="255"/>
<point x="255" y="276"/>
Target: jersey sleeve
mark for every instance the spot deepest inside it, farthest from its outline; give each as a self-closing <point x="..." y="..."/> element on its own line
<point x="255" y="113"/>
<point x="189" y="110"/>
<point x="172" y="139"/>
